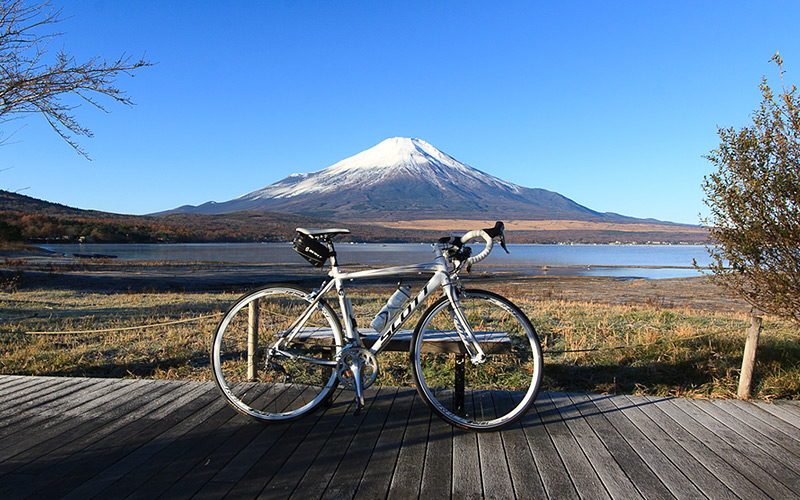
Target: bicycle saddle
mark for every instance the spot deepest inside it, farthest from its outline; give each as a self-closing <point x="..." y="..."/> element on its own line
<point x="322" y="233"/>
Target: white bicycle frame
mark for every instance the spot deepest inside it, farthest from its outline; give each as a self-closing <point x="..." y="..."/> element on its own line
<point x="441" y="278"/>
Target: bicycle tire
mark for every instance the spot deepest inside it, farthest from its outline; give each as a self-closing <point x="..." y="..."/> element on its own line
<point x="284" y="386"/>
<point x="495" y="393"/>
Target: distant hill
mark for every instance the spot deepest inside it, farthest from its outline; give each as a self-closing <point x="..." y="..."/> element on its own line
<point x="43" y="220"/>
<point x="39" y="220"/>
<point x="19" y="203"/>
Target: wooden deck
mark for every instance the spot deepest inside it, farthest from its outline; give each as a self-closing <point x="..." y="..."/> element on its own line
<point x="103" y="438"/>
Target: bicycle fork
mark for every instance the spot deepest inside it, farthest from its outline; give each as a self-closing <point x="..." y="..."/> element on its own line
<point x="471" y="345"/>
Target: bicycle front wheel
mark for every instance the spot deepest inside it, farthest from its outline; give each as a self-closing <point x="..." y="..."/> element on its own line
<point x="260" y="369"/>
<point x="480" y="397"/>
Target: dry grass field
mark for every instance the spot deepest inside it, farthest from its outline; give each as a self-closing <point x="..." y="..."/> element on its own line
<point x="666" y="337"/>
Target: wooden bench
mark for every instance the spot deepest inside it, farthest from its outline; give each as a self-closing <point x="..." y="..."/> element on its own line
<point x="443" y="342"/>
<point x="491" y="342"/>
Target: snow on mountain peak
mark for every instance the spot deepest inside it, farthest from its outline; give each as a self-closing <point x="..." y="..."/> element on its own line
<point x="392" y="157"/>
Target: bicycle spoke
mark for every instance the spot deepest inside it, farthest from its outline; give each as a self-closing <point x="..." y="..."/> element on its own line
<point x="513" y="362"/>
<point x="291" y="381"/>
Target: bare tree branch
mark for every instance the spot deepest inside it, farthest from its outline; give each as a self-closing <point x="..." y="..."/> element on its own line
<point x="31" y="84"/>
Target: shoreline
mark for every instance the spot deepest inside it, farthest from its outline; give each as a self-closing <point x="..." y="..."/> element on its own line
<point x="44" y="270"/>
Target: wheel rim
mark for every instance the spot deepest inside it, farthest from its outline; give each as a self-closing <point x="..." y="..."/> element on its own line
<point x="281" y="387"/>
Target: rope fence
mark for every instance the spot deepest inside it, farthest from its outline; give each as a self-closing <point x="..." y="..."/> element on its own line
<point x="128" y="328"/>
<point x="209" y="316"/>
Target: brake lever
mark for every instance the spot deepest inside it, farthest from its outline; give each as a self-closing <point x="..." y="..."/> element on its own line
<point x="503" y="242"/>
<point x="497" y="232"/>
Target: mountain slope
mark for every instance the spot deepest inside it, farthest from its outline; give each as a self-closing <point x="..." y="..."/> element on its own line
<point x="403" y="178"/>
<point x="39" y="220"/>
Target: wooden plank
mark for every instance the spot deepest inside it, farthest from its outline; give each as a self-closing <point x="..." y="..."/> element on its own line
<point x="60" y="427"/>
<point x="175" y="442"/>
<point x="633" y="466"/>
<point x="143" y="439"/>
<point x="492" y="342"/>
<point x="778" y="431"/>
<point x="270" y="451"/>
<point x="249" y="458"/>
<point x="12" y="380"/>
<point x="788" y="411"/>
<point x="94" y="390"/>
<point x="20" y="388"/>
<point x="466" y="465"/>
<point x="437" y="468"/>
<point x="691" y="436"/>
<point x="407" y="474"/>
<point x="551" y="471"/>
<point x="33" y="394"/>
<point x="317" y="455"/>
<point x="230" y="438"/>
<point x="679" y="446"/>
<point x="192" y="453"/>
<point x="40" y="461"/>
<point x="11" y="383"/>
<point x="356" y="459"/>
<point x="43" y="445"/>
<point x="623" y="417"/>
<point x="327" y="458"/>
<point x="46" y="399"/>
<point x="578" y="467"/>
<point x="760" y="447"/>
<point x="611" y="474"/>
<point x="77" y="453"/>
<point x="495" y="476"/>
<point x="172" y="422"/>
<point x="377" y="478"/>
<point x="63" y="415"/>
<point x="78" y="478"/>
<point x="719" y="438"/>
<point x="24" y="415"/>
<point x="525" y="477"/>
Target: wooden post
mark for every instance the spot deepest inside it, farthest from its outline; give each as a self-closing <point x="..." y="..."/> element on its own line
<point x="252" y="339"/>
<point x="749" y="358"/>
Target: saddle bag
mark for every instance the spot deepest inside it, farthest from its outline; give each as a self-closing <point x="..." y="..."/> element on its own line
<point x="310" y="249"/>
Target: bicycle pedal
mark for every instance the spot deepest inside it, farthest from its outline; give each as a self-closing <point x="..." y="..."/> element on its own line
<point x="359" y="406"/>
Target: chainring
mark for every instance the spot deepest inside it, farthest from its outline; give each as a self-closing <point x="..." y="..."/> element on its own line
<point x="364" y="359"/>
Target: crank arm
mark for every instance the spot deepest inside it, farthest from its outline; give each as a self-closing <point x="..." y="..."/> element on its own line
<point x="356" y="369"/>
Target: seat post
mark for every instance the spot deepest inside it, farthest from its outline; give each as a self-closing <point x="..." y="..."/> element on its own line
<point x="334" y="261"/>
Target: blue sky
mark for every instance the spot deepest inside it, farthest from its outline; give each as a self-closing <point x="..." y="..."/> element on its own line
<point x="612" y="104"/>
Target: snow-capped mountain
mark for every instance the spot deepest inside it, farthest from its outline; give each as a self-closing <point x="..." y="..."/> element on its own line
<point x="402" y="178"/>
<point x="392" y="159"/>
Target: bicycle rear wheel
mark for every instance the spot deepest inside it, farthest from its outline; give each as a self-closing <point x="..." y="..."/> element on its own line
<point x="486" y="396"/>
<point x="258" y="371"/>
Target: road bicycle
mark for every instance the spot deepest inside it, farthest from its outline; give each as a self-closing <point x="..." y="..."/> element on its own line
<point x="281" y="351"/>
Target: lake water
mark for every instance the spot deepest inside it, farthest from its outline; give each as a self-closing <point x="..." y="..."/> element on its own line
<point x="643" y="261"/>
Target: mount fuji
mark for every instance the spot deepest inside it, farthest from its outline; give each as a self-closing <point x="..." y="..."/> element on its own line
<point x="403" y="178"/>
